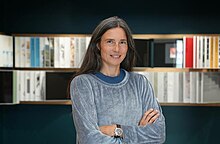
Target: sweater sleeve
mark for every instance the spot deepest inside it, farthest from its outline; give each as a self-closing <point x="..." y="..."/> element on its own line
<point x="151" y="133"/>
<point x="85" y="115"/>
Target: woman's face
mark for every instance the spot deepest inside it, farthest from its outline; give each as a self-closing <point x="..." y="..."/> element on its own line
<point x="113" y="47"/>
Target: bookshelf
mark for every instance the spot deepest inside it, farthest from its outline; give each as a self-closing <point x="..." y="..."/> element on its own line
<point x="29" y="123"/>
<point x="71" y="69"/>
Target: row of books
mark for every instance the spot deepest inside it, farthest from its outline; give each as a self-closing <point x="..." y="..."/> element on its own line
<point x="169" y="87"/>
<point x="202" y="51"/>
<point x="67" y="52"/>
<point x="6" y="51"/>
<point x="61" y="52"/>
<point x="188" y="52"/>
<point x="185" y="87"/>
<point x="19" y="86"/>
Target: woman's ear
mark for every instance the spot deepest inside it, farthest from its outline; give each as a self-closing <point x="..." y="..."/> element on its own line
<point x="97" y="45"/>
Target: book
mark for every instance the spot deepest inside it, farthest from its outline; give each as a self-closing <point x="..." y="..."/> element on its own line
<point x="211" y="87"/>
<point x="6" y="87"/>
<point x="6" y="51"/>
<point x="144" y="52"/>
<point x="188" y="48"/>
<point x="164" y="52"/>
<point x="56" y="85"/>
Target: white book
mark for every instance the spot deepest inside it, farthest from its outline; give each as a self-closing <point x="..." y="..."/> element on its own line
<point x="37" y="77"/>
<point x="56" y="52"/>
<point x="82" y="49"/>
<point x="151" y="78"/>
<point x="15" y="99"/>
<point x="27" y="86"/>
<point x="198" y="41"/>
<point x="18" y="85"/>
<point x="27" y="52"/>
<point x="198" y="87"/>
<point x="51" y="51"/>
<point x="72" y="51"/>
<point x="204" y="51"/>
<point x="201" y="86"/>
<point x="22" y="51"/>
<point x="46" y="52"/>
<point x="32" y="86"/>
<point x="195" y="56"/>
<point x="64" y="51"/>
<point x="192" y="87"/>
<point x="165" y="97"/>
<point x="160" y="84"/>
<point x="201" y="59"/>
<point x="67" y="52"/>
<point x="22" y="85"/>
<point x="180" y="86"/>
<point x="184" y="51"/>
<point x="179" y="54"/>
<point x="17" y="52"/>
<point x="88" y="39"/>
<point x="77" y="55"/>
<point x="43" y="85"/>
<point x="186" y="87"/>
<point x="170" y="86"/>
<point x="6" y="48"/>
<point x="156" y="84"/>
<point x="42" y="57"/>
<point x="177" y="87"/>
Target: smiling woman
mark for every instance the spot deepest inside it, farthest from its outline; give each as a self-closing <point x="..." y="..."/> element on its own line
<point x="110" y="103"/>
<point x="112" y="52"/>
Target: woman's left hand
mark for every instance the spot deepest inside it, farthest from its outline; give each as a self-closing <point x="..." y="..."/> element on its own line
<point x="108" y="129"/>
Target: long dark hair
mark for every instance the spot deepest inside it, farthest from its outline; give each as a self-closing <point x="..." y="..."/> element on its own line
<point x="92" y="61"/>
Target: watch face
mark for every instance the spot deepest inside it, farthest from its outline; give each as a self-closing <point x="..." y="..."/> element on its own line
<point x="118" y="132"/>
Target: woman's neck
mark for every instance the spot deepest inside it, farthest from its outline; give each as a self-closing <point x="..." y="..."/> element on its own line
<point x="110" y="71"/>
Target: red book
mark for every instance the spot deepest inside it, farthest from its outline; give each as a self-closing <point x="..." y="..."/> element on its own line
<point x="188" y="52"/>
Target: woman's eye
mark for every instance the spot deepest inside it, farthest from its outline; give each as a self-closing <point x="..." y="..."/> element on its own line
<point x="123" y="42"/>
<point x="109" y="41"/>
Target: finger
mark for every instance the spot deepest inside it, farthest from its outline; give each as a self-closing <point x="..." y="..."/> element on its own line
<point x="143" y="119"/>
<point x="151" y="115"/>
<point x="154" y="118"/>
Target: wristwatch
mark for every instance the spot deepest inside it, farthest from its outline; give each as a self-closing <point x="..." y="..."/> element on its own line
<point x="118" y="131"/>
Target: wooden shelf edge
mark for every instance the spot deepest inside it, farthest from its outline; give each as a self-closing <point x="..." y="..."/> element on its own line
<point x="51" y="35"/>
<point x="68" y="102"/>
<point x="191" y="104"/>
<point x="48" y="102"/>
<point x="135" y="36"/>
<point x="138" y="69"/>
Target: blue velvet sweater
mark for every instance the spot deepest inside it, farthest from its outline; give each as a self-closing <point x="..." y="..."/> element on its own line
<point x="96" y="103"/>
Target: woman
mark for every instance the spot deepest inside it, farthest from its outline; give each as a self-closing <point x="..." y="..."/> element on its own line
<point x="112" y="104"/>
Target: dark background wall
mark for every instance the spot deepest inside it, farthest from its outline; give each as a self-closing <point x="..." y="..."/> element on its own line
<point x="53" y="123"/>
<point x="1" y="124"/>
<point x="1" y="16"/>
<point x="77" y="16"/>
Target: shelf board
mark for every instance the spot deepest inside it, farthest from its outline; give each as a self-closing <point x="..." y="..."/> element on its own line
<point x="51" y="35"/>
<point x="68" y="102"/>
<point x="138" y="69"/>
<point x="191" y="104"/>
<point x="160" y="69"/>
<point x="48" y="102"/>
<point x="135" y="36"/>
<point x="47" y="69"/>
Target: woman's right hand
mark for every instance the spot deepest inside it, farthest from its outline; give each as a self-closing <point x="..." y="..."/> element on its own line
<point x="149" y="117"/>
